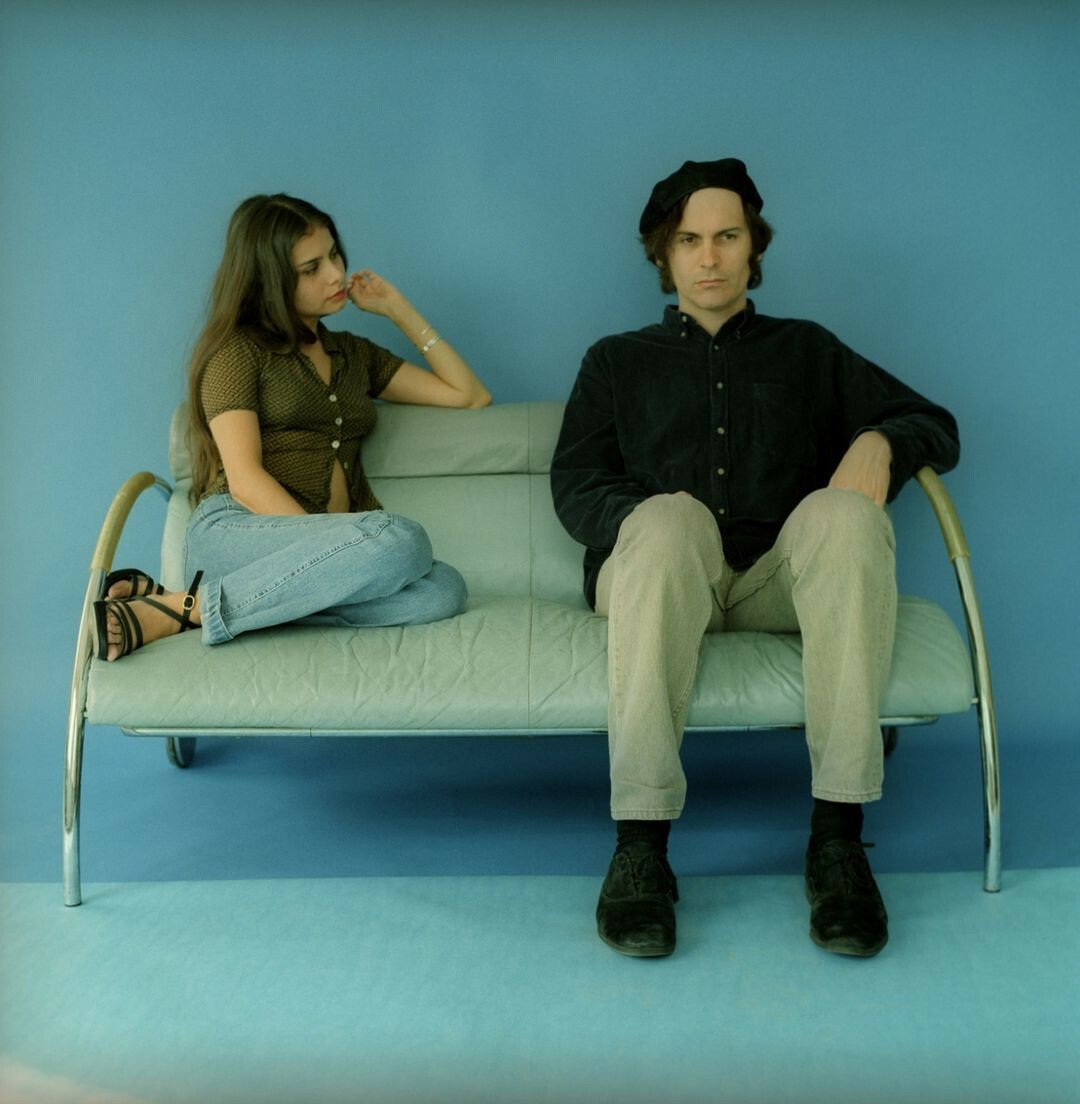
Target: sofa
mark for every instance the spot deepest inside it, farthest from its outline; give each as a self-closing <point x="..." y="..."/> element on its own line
<point x="526" y="657"/>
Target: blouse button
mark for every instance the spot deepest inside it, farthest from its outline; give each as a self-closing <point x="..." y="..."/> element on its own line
<point x="337" y="421"/>
<point x="335" y="444"/>
<point x="333" y="398"/>
<point x="720" y="430"/>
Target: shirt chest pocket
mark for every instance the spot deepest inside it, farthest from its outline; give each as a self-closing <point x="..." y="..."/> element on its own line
<point x="779" y="425"/>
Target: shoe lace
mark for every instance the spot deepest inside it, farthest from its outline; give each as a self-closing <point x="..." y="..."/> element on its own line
<point x="649" y="872"/>
<point x="844" y="865"/>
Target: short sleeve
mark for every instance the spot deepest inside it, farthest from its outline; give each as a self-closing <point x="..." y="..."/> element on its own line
<point x="231" y="378"/>
<point x="379" y="363"/>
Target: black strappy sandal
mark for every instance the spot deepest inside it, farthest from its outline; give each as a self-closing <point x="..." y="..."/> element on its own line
<point x="141" y="583"/>
<point x="131" y="636"/>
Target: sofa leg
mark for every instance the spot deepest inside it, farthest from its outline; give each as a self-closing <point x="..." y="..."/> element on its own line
<point x="73" y="751"/>
<point x="889" y="738"/>
<point x="180" y="750"/>
<point x="72" y="795"/>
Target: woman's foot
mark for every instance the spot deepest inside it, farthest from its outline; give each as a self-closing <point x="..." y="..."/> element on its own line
<point x="130" y="582"/>
<point x="121" y="625"/>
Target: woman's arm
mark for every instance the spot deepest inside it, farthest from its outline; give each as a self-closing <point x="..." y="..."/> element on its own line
<point x="239" y="443"/>
<point x="451" y="382"/>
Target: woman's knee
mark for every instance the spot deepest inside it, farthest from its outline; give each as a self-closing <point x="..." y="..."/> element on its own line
<point x="442" y="593"/>
<point x="406" y="540"/>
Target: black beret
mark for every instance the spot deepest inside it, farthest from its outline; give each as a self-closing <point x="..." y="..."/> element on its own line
<point x="728" y="173"/>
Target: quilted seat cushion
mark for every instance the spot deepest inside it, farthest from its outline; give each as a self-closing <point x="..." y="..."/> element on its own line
<point x="507" y="665"/>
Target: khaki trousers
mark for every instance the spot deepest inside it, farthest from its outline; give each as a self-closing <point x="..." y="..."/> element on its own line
<point x="831" y="576"/>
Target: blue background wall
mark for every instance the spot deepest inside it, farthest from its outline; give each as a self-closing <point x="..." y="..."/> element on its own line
<point x="919" y="163"/>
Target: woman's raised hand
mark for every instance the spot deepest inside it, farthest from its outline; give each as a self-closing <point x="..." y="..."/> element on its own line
<point x="370" y="292"/>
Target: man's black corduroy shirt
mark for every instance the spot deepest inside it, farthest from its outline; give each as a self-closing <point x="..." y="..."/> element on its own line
<point x="749" y="422"/>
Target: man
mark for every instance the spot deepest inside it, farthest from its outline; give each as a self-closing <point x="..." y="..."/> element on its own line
<point x="728" y="471"/>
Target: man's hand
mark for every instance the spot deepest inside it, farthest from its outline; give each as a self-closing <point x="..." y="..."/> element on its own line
<point x="866" y="466"/>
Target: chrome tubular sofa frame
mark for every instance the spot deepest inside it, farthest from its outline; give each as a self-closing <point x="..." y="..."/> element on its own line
<point x="180" y="745"/>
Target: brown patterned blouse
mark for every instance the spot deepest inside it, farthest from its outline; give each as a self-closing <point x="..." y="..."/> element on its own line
<point x="305" y="423"/>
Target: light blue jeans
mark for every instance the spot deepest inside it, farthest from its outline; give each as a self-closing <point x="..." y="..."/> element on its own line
<point x="365" y="569"/>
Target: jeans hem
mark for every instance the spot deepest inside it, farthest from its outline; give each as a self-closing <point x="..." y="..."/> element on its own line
<point x="645" y="814"/>
<point x="213" y="627"/>
<point x="851" y="798"/>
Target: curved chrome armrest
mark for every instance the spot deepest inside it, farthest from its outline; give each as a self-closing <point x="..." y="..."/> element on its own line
<point x="100" y="564"/>
<point x="960" y="554"/>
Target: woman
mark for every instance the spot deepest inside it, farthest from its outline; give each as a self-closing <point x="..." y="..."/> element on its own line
<point x="286" y="527"/>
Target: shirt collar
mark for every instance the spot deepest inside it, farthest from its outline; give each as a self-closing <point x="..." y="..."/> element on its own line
<point x="330" y="340"/>
<point x="683" y="324"/>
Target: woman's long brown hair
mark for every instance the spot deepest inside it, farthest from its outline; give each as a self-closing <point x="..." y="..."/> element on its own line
<point x="253" y="291"/>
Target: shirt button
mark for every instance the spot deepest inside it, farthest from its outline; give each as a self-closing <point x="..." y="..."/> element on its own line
<point x="719" y="386"/>
<point x="721" y="510"/>
<point x="721" y="471"/>
<point x="337" y="421"/>
<point x="346" y="465"/>
<point x="720" y="430"/>
<point x="333" y="398"/>
<point x="335" y="444"/>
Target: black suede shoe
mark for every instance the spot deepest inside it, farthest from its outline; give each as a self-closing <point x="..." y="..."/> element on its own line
<point x="847" y="914"/>
<point x="636" y="910"/>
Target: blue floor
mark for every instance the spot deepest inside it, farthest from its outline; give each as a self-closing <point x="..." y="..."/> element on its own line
<point x="475" y="989"/>
<point x="391" y="921"/>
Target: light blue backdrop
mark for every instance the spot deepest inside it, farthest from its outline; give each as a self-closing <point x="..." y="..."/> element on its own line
<point x="919" y="162"/>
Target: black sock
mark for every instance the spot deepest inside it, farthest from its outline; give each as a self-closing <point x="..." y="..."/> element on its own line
<point x="832" y="820"/>
<point x="653" y="832"/>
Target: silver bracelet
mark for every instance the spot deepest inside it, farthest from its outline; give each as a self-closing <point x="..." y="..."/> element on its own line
<point x="430" y="344"/>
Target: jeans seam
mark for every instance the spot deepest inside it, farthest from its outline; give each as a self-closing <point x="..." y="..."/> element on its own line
<point x="282" y="580"/>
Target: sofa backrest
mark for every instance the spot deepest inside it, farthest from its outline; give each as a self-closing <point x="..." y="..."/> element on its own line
<point x="477" y="480"/>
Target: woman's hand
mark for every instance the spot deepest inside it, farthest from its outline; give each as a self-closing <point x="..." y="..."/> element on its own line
<point x="371" y="293"/>
<point x="447" y="380"/>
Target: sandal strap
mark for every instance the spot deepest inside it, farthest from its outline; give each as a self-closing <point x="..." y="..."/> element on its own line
<point x="189" y="602"/>
<point x="142" y="599"/>
<point x="131" y="636"/>
<point x="125" y="615"/>
<point x="141" y="582"/>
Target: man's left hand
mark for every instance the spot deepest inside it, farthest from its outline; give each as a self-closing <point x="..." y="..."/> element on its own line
<point x="866" y="466"/>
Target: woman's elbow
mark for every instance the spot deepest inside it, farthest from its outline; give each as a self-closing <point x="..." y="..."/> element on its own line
<point x="479" y="399"/>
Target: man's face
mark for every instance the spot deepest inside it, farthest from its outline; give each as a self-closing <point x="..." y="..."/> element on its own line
<point x="709" y="261"/>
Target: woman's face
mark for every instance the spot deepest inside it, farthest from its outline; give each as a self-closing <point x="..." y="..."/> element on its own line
<point x="320" y="276"/>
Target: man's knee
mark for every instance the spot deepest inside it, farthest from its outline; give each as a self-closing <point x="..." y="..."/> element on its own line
<point x="669" y="523"/>
<point x="845" y="530"/>
<point x="850" y="519"/>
